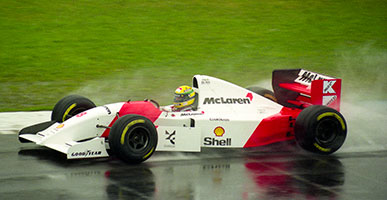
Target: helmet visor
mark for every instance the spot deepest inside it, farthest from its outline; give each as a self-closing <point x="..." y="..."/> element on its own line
<point x="180" y="98"/>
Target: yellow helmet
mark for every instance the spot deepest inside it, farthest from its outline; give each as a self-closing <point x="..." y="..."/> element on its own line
<point x="184" y="97"/>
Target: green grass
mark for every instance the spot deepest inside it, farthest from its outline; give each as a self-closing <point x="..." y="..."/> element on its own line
<point x="115" y="50"/>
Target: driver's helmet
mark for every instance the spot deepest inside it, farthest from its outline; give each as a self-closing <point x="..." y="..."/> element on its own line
<point x="184" y="97"/>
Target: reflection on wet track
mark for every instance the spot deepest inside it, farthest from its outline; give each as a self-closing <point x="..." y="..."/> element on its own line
<point x="278" y="171"/>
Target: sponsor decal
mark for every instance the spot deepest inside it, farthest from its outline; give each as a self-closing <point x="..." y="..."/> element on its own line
<point x="306" y="77"/>
<point x="191" y="113"/>
<point x="219" y="131"/>
<point x="250" y="96"/>
<point x="327" y="100"/>
<point x="206" y="81"/>
<point x="85" y="173"/>
<point x="86" y="153"/>
<point x="183" y="89"/>
<point x="53" y="131"/>
<point x="261" y="110"/>
<point x="171" y="138"/>
<point x="216" y="167"/>
<point x="60" y="126"/>
<point x="209" y="141"/>
<point x="81" y="114"/>
<point x="108" y="110"/>
<point x="328" y="87"/>
<point x="219" y="119"/>
<point x="221" y="100"/>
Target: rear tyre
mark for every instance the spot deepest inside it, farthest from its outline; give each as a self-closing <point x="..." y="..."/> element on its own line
<point x="320" y="129"/>
<point x="70" y="106"/>
<point x="133" y="138"/>
<point x="263" y="92"/>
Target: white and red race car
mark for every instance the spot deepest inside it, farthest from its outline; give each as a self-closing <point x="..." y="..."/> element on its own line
<point x="304" y="106"/>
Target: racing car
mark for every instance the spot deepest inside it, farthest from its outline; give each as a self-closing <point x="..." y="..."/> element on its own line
<point x="303" y="107"/>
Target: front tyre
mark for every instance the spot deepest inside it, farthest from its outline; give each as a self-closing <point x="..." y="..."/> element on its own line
<point x="320" y="129"/>
<point x="70" y="106"/>
<point x="133" y="138"/>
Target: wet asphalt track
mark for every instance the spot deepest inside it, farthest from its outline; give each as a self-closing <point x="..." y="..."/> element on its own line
<point x="279" y="171"/>
<point x="31" y="172"/>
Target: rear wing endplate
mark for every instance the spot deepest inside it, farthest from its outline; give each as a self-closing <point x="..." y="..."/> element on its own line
<point x="302" y="88"/>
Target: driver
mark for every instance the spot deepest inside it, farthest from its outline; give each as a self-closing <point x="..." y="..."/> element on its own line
<point x="185" y="100"/>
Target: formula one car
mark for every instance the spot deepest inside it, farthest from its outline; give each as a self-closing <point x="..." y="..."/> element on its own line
<point x="304" y="106"/>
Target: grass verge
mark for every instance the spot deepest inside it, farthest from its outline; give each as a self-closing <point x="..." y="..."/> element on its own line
<point x="114" y="50"/>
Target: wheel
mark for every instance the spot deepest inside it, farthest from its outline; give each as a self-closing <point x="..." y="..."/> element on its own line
<point x="263" y="92"/>
<point x="133" y="138"/>
<point x="320" y="129"/>
<point x="70" y="106"/>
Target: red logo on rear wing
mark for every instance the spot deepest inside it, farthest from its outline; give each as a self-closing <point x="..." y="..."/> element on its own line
<point x="302" y="88"/>
<point x="327" y="93"/>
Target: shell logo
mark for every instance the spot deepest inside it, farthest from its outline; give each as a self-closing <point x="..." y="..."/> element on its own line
<point x="219" y="131"/>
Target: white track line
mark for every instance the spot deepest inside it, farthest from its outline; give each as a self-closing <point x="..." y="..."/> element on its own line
<point x="12" y="122"/>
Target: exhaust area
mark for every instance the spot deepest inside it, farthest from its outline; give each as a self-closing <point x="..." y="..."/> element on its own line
<point x="364" y="97"/>
<point x="367" y="124"/>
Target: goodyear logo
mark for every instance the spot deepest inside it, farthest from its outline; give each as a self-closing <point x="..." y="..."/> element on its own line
<point x="86" y="153"/>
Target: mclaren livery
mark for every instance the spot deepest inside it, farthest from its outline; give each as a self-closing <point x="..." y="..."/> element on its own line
<point x="304" y="106"/>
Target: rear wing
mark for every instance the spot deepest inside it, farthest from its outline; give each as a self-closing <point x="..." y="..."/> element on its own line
<point x="301" y="88"/>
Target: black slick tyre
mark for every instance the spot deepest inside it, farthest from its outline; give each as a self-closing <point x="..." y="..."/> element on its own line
<point x="263" y="92"/>
<point x="70" y="106"/>
<point x="133" y="138"/>
<point x="320" y="129"/>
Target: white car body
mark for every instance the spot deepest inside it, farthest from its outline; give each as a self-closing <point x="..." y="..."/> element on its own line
<point x="227" y="116"/>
